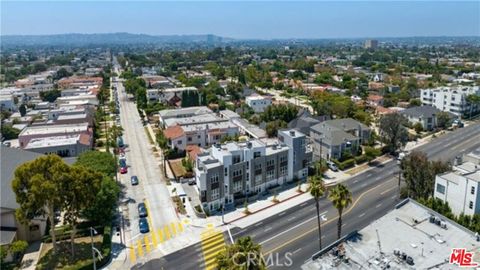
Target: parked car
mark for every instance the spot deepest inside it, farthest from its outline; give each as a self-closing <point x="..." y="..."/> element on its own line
<point x="134" y="180"/>
<point x="123" y="170"/>
<point x="457" y="123"/>
<point x="192" y="182"/>
<point x="332" y="166"/>
<point x="142" y="210"/>
<point x="143" y="225"/>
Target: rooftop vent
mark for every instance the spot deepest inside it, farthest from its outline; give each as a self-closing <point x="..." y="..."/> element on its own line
<point x="292" y="133"/>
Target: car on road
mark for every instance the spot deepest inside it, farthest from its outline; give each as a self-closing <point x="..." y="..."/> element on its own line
<point x="122" y="162"/>
<point x="332" y="166"/>
<point x="134" y="180"/>
<point x="142" y="210"/>
<point x="192" y="182"/>
<point x="143" y="225"/>
<point x="123" y="170"/>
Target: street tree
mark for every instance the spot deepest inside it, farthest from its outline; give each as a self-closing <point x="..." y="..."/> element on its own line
<point x="103" y="206"/>
<point x="79" y="193"/>
<point x="38" y="189"/>
<point x="317" y="189"/>
<point x="23" y="110"/>
<point x="444" y="120"/>
<point x="97" y="161"/>
<point x="341" y="198"/>
<point x="393" y="132"/>
<point x="419" y="174"/>
<point x="244" y="254"/>
<point x="371" y="153"/>
<point x="472" y="100"/>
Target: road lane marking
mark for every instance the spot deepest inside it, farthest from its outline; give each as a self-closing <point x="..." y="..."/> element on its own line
<point x="387" y="190"/>
<point x="378" y="178"/>
<point x="139" y="248"/>
<point x="174" y="230"/>
<point x="292" y="228"/>
<point x="363" y="185"/>
<point x="268" y="229"/>
<point x="344" y="224"/>
<point x="355" y="181"/>
<point x="259" y="223"/>
<point x="160" y="236"/>
<point x="378" y="205"/>
<point x="394" y="197"/>
<point x="147" y="243"/>
<point x="167" y="232"/>
<point x="286" y="243"/>
<point x="369" y="175"/>
<point x="303" y="204"/>
<point x="154" y="239"/>
<point x="133" y="258"/>
<point x="180" y="227"/>
<point x="297" y="250"/>
<point x="281" y="214"/>
<point x="363" y="214"/>
<point x="292" y="218"/>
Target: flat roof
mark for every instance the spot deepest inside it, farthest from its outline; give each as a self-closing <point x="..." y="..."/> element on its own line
<point x="52" y="141"/>
<point x="52" y="129"/>
<point x="406" y="229"/>
<point x="208" y="118"/>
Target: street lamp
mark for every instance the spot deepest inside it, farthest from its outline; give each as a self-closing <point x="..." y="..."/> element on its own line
<point x="92" y="232"/>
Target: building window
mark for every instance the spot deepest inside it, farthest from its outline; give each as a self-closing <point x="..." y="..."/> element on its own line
<point x="179" y="142"/>
<point x="270" y="175"/>
<point x="214" y="179"/>
<point x="189" y="139"/>
<point x="237" y="186"/>
<point x="215" y="194"/>
<point x="226" y="171"/>
<point x="440" y="188"/>
<point x="283" y="170"/>
<point x="256" y="154"/>
<point x="470" y="205"/>
<point x="472" y="190"/>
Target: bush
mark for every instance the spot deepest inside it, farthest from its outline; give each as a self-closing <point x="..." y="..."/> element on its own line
<point x="360" y="159"/>
<point x="344" y="164"/>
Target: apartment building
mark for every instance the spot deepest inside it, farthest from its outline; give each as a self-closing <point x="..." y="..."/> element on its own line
<point x="170" y="96"/>
<point x="258" y="103"/>
<point x="63" y="146"/>
<point x="451" y="99"/>
<point x="229" y="172"/>
<point x="333" y="137"/>
<point x="43" y="131"/>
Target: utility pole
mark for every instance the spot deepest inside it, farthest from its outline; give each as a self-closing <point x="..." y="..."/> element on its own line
<point x="93" y="249"/>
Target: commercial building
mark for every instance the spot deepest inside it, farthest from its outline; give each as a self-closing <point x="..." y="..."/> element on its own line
<point x="370" y="44"/>
<point x="451" y="99"/>
<point x="411" y="236"/>
<point x="42" y="131"/>
<point x="333" y="137"/>
<point x="63" y="146"/>
<point x="258" y="103"/>
<point x="229" y="172"/>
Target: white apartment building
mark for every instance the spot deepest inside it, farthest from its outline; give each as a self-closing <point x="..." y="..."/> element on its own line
<point x="460" y="187"/>
<point x="451" y="99"/>
<point x="258" y="103"/>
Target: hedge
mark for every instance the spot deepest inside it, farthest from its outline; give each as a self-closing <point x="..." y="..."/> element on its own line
<point x="345" y="164"/>
<point x="360" y="159"/>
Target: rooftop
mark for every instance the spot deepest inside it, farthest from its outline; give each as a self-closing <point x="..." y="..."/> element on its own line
<point x="53" y="141"/>
<point x="53" y="129"/>
<point x="421" y="111"/>
<point x="424" y="236"/>
<point x="184" y="112"/>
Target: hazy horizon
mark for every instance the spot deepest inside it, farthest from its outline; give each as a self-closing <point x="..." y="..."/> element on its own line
<point x="245" y="20"/>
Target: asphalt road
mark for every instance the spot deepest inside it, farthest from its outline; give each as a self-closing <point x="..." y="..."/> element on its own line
<point x="294" y="231"/>
<point x="141" y="162"/>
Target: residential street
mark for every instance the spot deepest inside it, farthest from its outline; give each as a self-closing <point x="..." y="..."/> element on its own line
<point x="142" y="163"/>
<point x="375" y="192"/>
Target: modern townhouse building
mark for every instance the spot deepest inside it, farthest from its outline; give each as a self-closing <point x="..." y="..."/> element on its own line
<point x="229" y="172"/>
<point x="258" y="103"/>
<point x="333" y="137"/>
<point x="451" y="99"/>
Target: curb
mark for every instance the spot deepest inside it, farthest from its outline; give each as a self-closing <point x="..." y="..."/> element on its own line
<point x="267" y="207"/>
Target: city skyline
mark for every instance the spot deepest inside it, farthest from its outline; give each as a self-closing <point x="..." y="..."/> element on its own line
<point x="248" y="20"/>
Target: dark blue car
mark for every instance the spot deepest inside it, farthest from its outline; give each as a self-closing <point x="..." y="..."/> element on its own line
<point x="143" y="224"/>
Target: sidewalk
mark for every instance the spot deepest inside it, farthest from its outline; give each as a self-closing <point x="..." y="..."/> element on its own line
<point x="31" y="256"/>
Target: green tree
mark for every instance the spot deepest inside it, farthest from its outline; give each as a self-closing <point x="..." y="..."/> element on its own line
<point x="103" y="208"/>
<point x="444" y="120"/>
<point x="9" y="132"/>
<point x="79" y="194"/>
<point x="317" y="189"/>
<point x="419" y="174"/>
<point x="97" y="161"/>
<point x="244" y="254"/>
<point x="141" y="96"/>
<point x="392" y="131"/>
<point x="415" y="102"/>
<point x="17" y="247"/>
<point x="272" y="127"/>
<point x="38" y="187"/>
<point x="473" y="100"/>
<point x="341" y="198"/>
<point x="50" y="95"/>
<point x="364" y="117"/>
<point x="371" y="153"/>
<point x="23" y="110"/>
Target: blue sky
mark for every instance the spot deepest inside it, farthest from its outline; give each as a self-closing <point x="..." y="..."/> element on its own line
<point x="251" y="19"/>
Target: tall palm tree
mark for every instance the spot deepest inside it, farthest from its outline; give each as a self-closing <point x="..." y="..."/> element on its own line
<point x="244" y="254"/>
<point x="341" y="198"/>
<point x="317" y="189"/>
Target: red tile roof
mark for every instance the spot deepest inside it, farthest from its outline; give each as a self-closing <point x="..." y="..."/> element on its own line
<point x="193" y="151"/>
<point x="173" y="132"/>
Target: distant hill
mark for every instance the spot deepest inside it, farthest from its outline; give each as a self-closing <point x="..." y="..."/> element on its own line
<point x="110" y="38"/>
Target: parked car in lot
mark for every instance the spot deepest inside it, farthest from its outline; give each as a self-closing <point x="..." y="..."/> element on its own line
<point x="123" y="170"/>
<point x="134" y="180"/>
<point x="332" y="166"/>
<point x="142" y="210"/>
<point x="143" y="225"/>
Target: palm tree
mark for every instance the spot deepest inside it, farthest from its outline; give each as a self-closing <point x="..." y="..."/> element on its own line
<point x="317" y="189"/>
<point x="341" y="198"/>
<point x="244" y="254"/>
